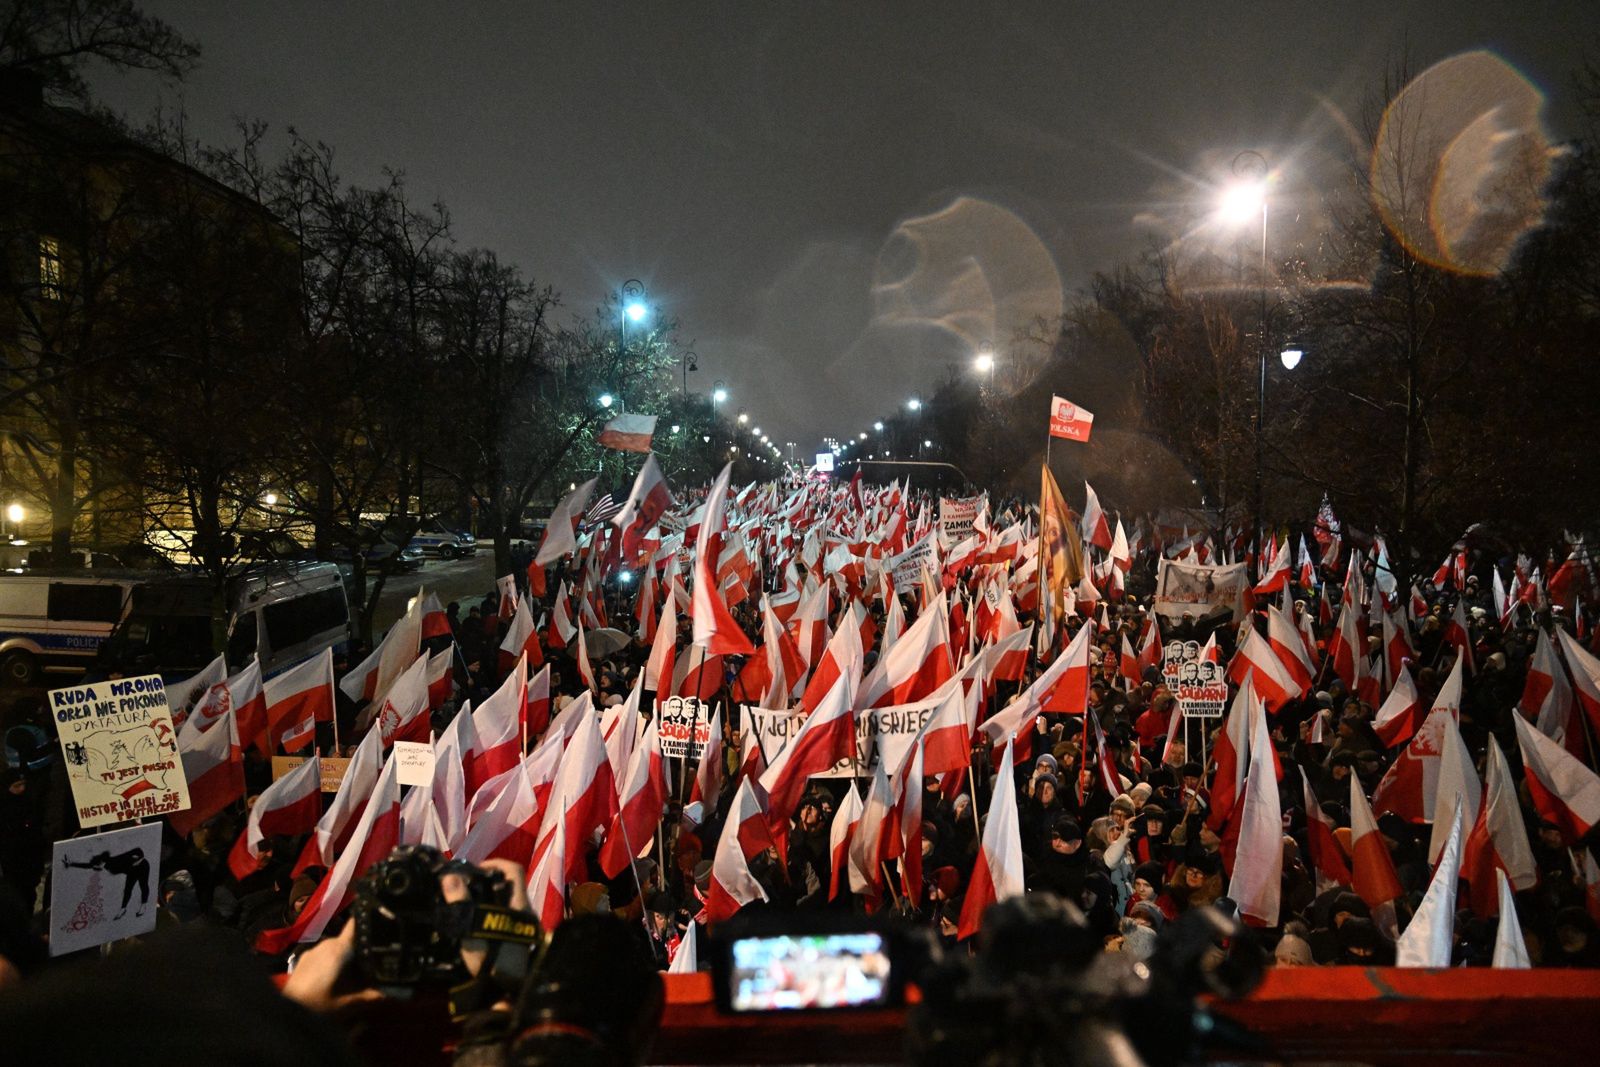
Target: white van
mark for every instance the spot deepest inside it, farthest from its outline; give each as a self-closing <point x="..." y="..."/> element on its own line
<point x="56" y="622"/>
<point x="285" y="613"/>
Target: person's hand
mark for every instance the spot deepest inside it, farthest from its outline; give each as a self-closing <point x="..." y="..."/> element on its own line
<point x="317" y="973"/>
<point x="948" y="928"/>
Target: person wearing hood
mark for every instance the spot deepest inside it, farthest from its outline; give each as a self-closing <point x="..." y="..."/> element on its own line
<point x="1038" y="810"/>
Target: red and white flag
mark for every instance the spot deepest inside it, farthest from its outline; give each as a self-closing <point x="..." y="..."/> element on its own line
<point x="917" y="666"/>
<point x="1257" y="661"/>
<point x="183" y="696"/>
<point x="714" y="627"/>
<point x="629" y="433"/>
<point x="1257" y="876"/>
<point x="1231" y="755"/>
<point x="289" y="807"/>
<point x="506" y="829"/>
<point x="1290" y="648"/>
<point x="1326" y="857"/>
<point x="370" y="679"/>
<point x="840" y="834"/>
<point x="375" y="836"/>
<point x="732" y="884"/>
<point x="1430" y="935"/>
<point x="403" y="713"/>
<point x="454" y="749"/>
<point x="1411" y="783"/>
<point x="1458" y="787"/>
<point x="536" y="707"/>
<point x="547" y="885"/>
<point x="297" y="700"/>
<point x="1096" y="531"/>
<point x="827" y="736"/>
<point x="1564" y="791"/>
<point x="1070" y="421"/>
<point x="1547" y="697"/>
<point x="1498" y="841"/>
<point x="497" y="728"/>
<point x="522" y="638"/>
<point x="649" y="501"/>
<point x="561" y="529"/>
<point x="707" y="787"/>
<point x="1585" y="677"/>
<point x="663" y="651"/>
<point x="998" y="873"/>
<point x="643" y="794"/>
<point x="1372" y="873"/>
<point x="584" y="792"/>
<point x="214" y="768"/>
<point x="1402" y="711"/>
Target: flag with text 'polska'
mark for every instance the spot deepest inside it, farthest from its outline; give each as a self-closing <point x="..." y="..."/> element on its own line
<point x="1069" y="421"/>
<point x="629" y="433"/>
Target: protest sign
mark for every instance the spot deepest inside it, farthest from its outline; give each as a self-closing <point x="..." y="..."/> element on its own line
<point x="413" y="763"/>
<point x="333" y="769"/>
<point x="906" y="568"/>
<point x="684" y="727"/>
<point x="881" y="734"/>
<point x="1200" y="685"/>
<point x="120" y="749"/>
<point x="1199" y="590"/>
<point x="956" y="517"/>
<point x="104" y="887"/>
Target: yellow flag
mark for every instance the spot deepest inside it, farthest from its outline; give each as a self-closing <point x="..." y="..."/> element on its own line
<point x="1060" y="544"/>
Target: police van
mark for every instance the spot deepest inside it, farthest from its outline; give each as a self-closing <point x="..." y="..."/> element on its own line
<point x="285" y="613"/>
<point x="55" y="622"/>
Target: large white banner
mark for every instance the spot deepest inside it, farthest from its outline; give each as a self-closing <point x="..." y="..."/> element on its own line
<point x="881" y="734"/>
<point x="1199" y="590"/>
<point x="956" y="517"/>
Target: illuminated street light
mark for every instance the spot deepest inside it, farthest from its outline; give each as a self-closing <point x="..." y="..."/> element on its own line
<point x="863" y="437"/>
<point x="1242" y="201"/>
<point x="270" y="500"/>
<point x="743" y="418"/>
<point x="606" y="400"/>
<point x="927" y="444"/>
<point x="914" y="404"/>
<point x="676" y="427"/>
<point x="756" y="432"/>
<point x="878" y="426"/>
<point x="637" y="311"/>
<point x="984" y="363"/>
<point x="1291" y="357"/>
<point x="15" y="513"/>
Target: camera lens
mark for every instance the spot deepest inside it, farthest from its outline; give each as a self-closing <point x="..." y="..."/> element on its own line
<point x="397" y="880"/>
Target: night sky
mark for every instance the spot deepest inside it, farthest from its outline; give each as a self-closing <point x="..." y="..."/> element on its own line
<point x="837" y="201"/>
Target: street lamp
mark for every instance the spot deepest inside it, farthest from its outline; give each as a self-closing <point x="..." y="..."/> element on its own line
<point x="914" y="404"/>
<point x="690" y="363"/>
<point x="983" y="363"/>
<point x="863" y="437"/>
<point x="718" y="395"/>
<point x="878" y="426"/>
<point x="1239" y="203"/>
<point x="1291" y="357"/>
<point x="743" y="418"/>
<point x="606" y="400"/>
<point x="634" y="309"/>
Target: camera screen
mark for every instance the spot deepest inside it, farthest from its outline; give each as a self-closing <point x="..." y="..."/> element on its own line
<point x="810" y="971"/>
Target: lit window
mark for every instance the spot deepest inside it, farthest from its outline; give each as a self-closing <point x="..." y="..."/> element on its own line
<point x="50" y="268"/>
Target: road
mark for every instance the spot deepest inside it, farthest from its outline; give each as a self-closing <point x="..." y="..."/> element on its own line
<point x="466" y="580"/>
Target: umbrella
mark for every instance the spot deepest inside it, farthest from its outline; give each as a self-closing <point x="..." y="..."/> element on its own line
<point x="604" y="641"/>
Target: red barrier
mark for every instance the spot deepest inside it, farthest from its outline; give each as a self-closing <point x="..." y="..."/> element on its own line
<point x="1371" y="1015"/>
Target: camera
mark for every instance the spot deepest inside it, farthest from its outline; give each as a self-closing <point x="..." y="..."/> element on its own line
<point x="408" y="935"/>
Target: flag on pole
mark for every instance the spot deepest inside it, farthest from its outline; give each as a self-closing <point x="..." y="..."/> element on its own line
<point x="998" y="874"/>
<point x="629" y="433"/>
<point x="1070" y="421"/>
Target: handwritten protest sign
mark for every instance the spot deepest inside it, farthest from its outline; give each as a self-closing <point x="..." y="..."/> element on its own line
<point x="104" y="887"/>
<point x="906" y="568"/>
<point x="121" y="750"/>
<point x="333" y="769"/>
<point x="413" y="763"/>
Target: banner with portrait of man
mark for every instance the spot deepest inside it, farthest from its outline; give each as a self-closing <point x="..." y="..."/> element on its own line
<point x="1060" y="544"/>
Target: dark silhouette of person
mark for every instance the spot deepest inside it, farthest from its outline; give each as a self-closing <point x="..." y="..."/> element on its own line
<point x="131" y="865"/>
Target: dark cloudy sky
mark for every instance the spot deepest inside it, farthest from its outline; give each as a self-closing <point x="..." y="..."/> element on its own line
<point x="762" y="166"/>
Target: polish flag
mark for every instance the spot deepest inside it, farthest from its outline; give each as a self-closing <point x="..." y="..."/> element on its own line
<point x="297" y="700"/>
<point x="403" y="713"/>
<point x="1326" y="856"/>
<point x="1277" y="574"/>
<point x="585" y="668"/>
<point x="917" y="665"/>
<point x="370" y="679"/>
<point x="1457" y="634"/>
<point x="584" y="792"/>
<point x="842" y="657"/>
<point x="375" y="836"/>
<point x="840" y="835"/>
<point x="1498" y="841"/>
<point x="868" y="847"/>
<point x="947" y="733"/>
<point x="732" y="884"/>
<point x="1372" y="873"/>
<point x="496" y="725"/>
<point x="1585" y="677"/>
<point x="643" y="795"/>
<point x="649" y="501"/>
<point x="1397" y="720"/>
<point x="215" y="772"/>
<point x="714" y="628"/>
<point x="506" y="829"/>
<point x="1547" y="697"/>
<point x="440" y="677"/>
<point x="1411" y="783"/>
<point x="241" y="694"/>
<point x="506" y="586"/>
<point x="522" y="638"/>
<point x="420" y="825"/>
<point x="562" y="629"/>
<point x="1120" y="555"/>
<point x="1255" y="660"/>
<point x="1150" y="648"/>
<point x="183" y="696"/>
<point x="1345" y="645"/>
<point x="1255" y="882"/>
<point x="451" y="753"/>
<point x="1564" y="791"/>
<point x="1007" y="658"/>
<point x="998" y="874"/>
<point x="289" y="807"/>
<point x="1096" y="531"/>
<point x="1069" y="690"/>
<point x="1014" y="722"/>
<point x="784" y="664"/>
<point x="547" y="886"/>
<point x="339" y="821"/>
<point x="707" y="787"/>
<point x="1128" y="665"/>
<point x="1290" y="649"/>
<point x="561" y="530"/>
<point x="827" y="736"/>
<point x="1510" y="950"/>
<point x="536" y="706"/>
<point x="1458" y="787"/>
<point x="1396" y="647"/>
<point x="1430" y="935"/>
<point x="658" y="667"/>
<point x="435" y="623"/>
<point x="1231" y="755"/>
<point x="810" y="625"/>
<point x="1070" y="421"/>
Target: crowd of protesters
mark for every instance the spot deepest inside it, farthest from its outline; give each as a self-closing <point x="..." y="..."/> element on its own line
<point x="1133" y="859"/>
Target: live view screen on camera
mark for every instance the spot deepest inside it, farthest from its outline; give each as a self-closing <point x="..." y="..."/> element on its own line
<point x="810" y="971"/>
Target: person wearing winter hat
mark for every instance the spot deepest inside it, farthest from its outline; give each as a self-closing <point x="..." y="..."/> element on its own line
<point x="1293" y="951"/>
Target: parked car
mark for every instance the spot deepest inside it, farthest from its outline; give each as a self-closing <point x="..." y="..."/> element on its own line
<point x="381" y="553"/>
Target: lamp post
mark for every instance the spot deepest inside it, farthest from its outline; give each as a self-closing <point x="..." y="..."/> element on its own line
<point x="634" y="309"/>
<point x="1241" y="201"/>
<point x="690" y="362"/>
<point x="983" y="363"/>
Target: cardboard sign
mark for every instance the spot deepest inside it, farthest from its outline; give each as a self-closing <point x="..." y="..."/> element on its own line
<point x="121" y="750"/>
<point x="413" y="763"/>
<point x="1200" y="685"/>
<point x="104" y="888"/>
<point x="906" y="568"/>
<point x="1199" y="590"/>
<point x="684" y="727"/>
<point x="333" y="769"/>
<point x="956" y="518"/>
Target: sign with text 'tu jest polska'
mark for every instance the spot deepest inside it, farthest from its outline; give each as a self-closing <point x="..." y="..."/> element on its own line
<point x="121" y="750"/>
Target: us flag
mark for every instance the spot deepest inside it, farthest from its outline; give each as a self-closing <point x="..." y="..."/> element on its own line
<point x="601" y="510"/>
